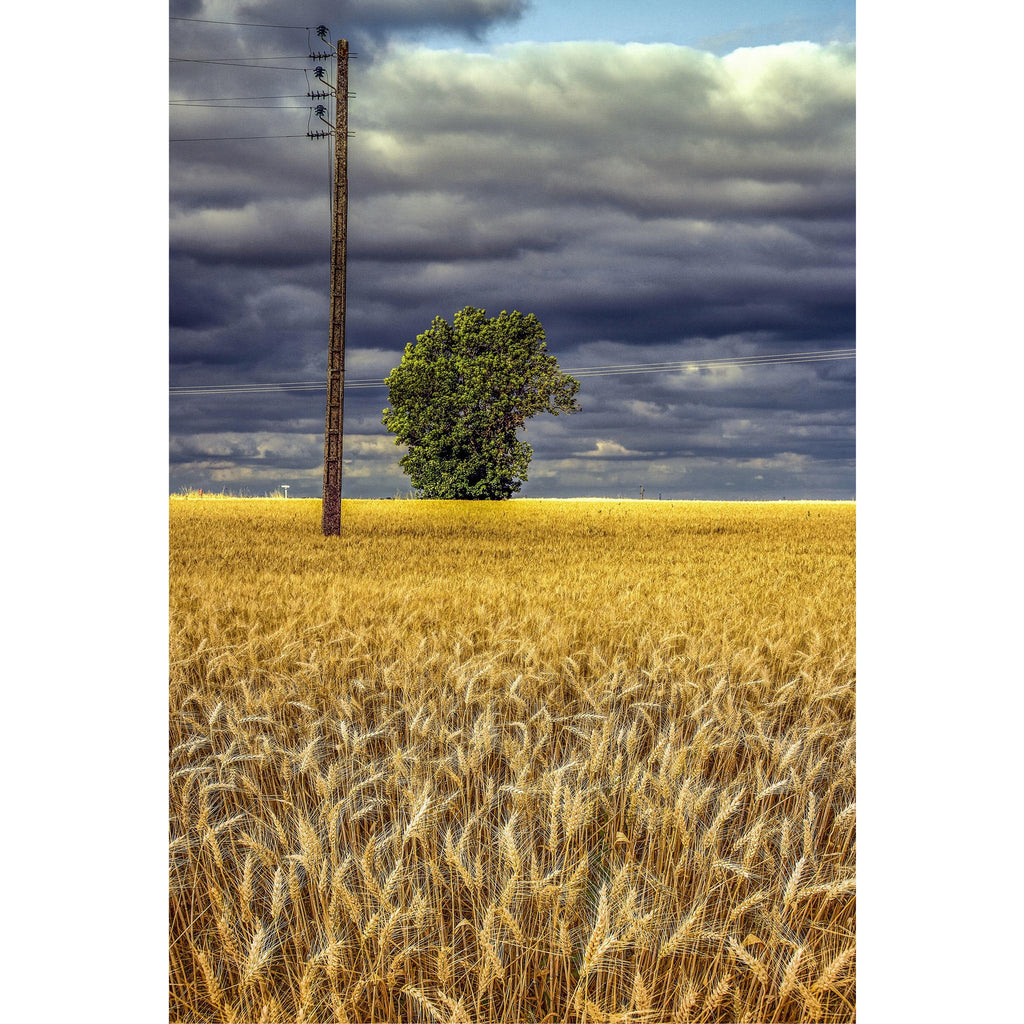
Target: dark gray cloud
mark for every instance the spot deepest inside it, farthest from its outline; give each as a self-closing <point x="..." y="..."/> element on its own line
<point x="367" y="24"/>
<point x="384" y="18"/>
<point x="648" y="203"/>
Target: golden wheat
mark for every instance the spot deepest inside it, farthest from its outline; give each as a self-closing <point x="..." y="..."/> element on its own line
<point x="509" y="762"/>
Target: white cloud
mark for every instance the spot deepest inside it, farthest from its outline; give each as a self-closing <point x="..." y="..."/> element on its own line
<point x="247" y="444"/>
<point x="792" y="461"/>
<point x="642" y="126"/>
<point x="607" y="450"/>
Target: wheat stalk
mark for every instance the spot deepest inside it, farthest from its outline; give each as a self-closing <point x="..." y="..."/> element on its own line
<point x="789" y="975"/>
<point x="257" y="958"/>
<point x="513" y="797"/>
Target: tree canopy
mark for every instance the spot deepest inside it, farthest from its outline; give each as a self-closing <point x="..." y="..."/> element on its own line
<point x="461" y="392"/>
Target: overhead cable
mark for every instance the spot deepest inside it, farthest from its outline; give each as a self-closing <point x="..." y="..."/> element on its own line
<point x="593" y="371"/>
<point x="244" y="24"/>
<point x="238" y="138"/>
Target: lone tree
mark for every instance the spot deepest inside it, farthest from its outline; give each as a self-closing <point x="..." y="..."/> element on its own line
<point x="462" y="391"/>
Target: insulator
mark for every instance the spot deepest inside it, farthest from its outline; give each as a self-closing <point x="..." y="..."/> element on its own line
<point x="319" y="72"/>
<point x="321" y="31"/>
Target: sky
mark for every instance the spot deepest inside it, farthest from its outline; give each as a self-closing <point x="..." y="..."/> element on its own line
<point x="660" y="183"/>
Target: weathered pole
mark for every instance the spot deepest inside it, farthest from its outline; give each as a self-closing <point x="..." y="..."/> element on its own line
<point x="336" y="347"/>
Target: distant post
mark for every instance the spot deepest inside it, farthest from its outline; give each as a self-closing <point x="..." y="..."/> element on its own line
<point x="336" y="350"/>
<point x="284" y="487"/>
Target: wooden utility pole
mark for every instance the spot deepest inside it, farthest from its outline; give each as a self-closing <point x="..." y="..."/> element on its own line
<point x="336" y="349"/>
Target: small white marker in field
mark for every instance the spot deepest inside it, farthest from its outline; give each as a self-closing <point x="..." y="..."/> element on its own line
<point x="284" y="487"/>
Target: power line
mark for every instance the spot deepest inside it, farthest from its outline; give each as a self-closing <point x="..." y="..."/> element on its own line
<point x="235" y="64"/>
<point x="238" y="138"/>
<point x="593" y="371"/>
<point x="244" y="24"/>
<point x="275" y="56"/>
<point x="225" y="99"/>
<point x="833" y="352"/>
<point x="652" y="367"/>
<point x="826" y="353"/>
<point x="240" y="106"/>
<point x="603" y="371"/>
<point x="240" y="60"/>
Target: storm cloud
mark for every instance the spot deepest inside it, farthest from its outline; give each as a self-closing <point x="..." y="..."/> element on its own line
<point x="649" y="203"/>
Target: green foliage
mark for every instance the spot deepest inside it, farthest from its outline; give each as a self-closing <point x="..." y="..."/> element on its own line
<point x="462" y="391"/>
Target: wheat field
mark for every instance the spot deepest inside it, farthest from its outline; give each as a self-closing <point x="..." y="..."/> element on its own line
<point x="527" y="761"/>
